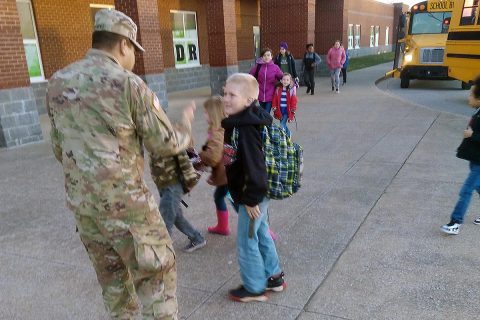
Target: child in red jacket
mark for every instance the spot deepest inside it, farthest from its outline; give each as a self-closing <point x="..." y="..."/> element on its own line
<point x="284" y="102"/>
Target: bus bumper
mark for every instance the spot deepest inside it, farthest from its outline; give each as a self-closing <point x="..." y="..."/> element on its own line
<point x="426" y="72"/>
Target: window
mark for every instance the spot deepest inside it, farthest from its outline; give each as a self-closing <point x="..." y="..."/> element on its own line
<point x="377" y="35"/>
<point x="94" y="8"/>
<point x="185" y="39"/>
<point x="350" y="36"/>
<point x="30" y="40"/>
<point x="357" y="35"/>
<point x="256" y="41"/>
<point x="469" y="12"/>
<point x="387" y="35"/>
<point x="429" y="22"/>
<point x="372" y="36"/>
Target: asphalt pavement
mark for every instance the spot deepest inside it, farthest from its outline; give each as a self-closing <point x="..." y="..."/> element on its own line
<point x="360" y="240"/>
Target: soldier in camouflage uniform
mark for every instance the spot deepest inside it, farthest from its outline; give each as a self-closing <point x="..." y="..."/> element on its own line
<point x="102" y="115"/>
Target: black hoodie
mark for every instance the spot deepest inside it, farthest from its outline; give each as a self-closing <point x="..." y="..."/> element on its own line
<point x="247" y="176"/>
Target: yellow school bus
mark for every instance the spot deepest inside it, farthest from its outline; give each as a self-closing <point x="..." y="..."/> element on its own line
<point x="463" y="43"/>
<point x="422" y="34"/>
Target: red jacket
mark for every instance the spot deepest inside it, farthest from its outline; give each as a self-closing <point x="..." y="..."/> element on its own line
<point x="291" y="102"/>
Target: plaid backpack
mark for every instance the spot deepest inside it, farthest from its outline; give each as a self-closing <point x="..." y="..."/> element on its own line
<point x="283" y="159"/>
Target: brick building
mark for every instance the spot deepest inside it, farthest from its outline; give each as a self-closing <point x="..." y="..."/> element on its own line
<point x="189" y="43"/>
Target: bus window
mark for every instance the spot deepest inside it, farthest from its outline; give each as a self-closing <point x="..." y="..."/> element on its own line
<point x="469" y="12"/>
<point x="430" y="22"/>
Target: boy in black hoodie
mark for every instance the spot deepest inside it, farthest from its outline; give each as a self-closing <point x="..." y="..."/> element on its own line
<point x="247" y="183"/>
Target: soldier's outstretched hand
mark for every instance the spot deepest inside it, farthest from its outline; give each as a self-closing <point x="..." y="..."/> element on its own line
<point x="189" y="111"/>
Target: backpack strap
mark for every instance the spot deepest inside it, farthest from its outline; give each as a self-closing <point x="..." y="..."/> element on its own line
<point x="258" y="70"/>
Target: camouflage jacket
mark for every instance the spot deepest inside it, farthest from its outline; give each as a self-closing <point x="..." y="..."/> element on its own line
<point x="170" y="170"/>
<point x="102" y="116"/>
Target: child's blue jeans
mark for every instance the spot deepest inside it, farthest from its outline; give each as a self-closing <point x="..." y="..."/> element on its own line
<point x="471" y="183"/>
<point x="172" y="214"/>
<point x="267" y="105"/>
<point x="283" y="122"/>
<point x="257" y="256"/>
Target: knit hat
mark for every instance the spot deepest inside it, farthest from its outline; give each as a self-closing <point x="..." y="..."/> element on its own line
<point x="284" y="45"/>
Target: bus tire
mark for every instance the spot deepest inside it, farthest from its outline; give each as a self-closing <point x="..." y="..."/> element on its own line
<point x="404" y="81"/>
<point x="466" y="86"/>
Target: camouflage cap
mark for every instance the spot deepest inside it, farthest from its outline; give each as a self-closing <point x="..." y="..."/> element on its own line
<point x="117" y="22"/>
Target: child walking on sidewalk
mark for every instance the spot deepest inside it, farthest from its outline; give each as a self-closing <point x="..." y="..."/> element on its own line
<point x="211" y="156"/>
<point x="247" y="183"/>
<point x="468" y="150"/>
<point x="174" y="176"/>
<point x="285" y="102"/>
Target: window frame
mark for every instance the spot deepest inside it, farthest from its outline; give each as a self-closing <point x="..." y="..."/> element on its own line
<point x="372" y="36"/>
<point x="387" y="35"/>
<point x="377" y="35"/>
<point x="197" y="41"/>
<point x="350" y="36"/>
<point x="474" y="7"/>
<point x="40" y="78"/>
<point x="357" y="36"/>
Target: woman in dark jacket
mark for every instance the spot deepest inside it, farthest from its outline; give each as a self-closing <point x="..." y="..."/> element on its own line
<point x="468" y="150"/>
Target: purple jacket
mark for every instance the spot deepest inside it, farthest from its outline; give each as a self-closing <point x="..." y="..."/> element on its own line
<point x="336" y="58"/>
<point x="268" y="75"/>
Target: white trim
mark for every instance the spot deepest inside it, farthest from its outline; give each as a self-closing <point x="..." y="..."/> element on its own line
<point x="184" y="11"/>
<point x="31" y="41"/>
<point x="103" y="6"/>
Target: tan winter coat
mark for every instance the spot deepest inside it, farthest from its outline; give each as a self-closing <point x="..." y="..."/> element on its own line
<point x="211" y="155"/>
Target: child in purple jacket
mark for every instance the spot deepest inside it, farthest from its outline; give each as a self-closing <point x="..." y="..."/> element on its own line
<point x="267" y="74"/>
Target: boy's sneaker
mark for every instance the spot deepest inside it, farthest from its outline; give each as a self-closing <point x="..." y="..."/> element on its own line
<point x="193" y="246"/>
<point x="242" y="295"/>
<point x="451" y="228"/>
<point x="477" y="221"/>
<point x="276" y="283"/>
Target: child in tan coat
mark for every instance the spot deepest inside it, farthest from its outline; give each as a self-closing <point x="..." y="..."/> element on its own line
<point x="211" y="155"/>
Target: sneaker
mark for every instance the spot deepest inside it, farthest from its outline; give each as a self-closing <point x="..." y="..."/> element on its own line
<point x="477" y="221"/>
<point x="193" y="246"/>
<point x="242" y="295"/>
<point x="333" y="88"/>
<point x="337" y="91"/>
<point x="451" y="228"/>
<point x="276" y="283"/>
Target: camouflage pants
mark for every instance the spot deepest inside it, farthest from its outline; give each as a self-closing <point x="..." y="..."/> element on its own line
<point x="129" y="291"/>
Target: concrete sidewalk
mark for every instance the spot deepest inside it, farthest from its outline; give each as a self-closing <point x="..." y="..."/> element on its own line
<point x="361" y="240"/>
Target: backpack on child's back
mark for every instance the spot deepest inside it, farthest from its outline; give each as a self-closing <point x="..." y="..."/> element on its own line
<point x="283" y="160"/>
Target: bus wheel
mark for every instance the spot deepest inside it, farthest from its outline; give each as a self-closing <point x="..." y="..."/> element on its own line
<point x="404" y="81"/>
<point x="466" y="86"/>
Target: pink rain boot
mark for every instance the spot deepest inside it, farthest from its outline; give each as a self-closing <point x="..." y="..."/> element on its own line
<point x="222" y="224"/>
<point x="272" y="234"/>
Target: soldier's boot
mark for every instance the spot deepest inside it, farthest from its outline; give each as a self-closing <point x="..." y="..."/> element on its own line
<point x="222" y="224"/>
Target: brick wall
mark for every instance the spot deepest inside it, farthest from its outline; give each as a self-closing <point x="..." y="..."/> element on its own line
<point x="329" y="24"/>
<point x="13" y="65"/>
<point x="370" y="13"/>
<point x="64" y="31"/>
<point x="299" y="30"/>
<point x="145" y="14"/>
<point x="222" y="33"/>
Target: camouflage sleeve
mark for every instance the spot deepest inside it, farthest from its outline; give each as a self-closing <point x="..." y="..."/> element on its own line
<point x="159" y="136"/>
<point x="55" y="136"/>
